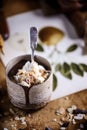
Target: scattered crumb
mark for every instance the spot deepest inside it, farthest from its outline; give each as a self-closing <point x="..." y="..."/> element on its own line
<point x="29" y="115"/>
<point x="85" y="117"/>
<point x="79" y="117"/>
<point x="73" y="114"/>
<point x="73" y="121"/>
<point x="62" y="128"/>
<point x="11" y="111"/>
<point x="66" y="98"/>
<point x="55" y="120"/>
<point x="60" y="111"/>
<point x="60" y="123"/>
<point x="17" y="118"/>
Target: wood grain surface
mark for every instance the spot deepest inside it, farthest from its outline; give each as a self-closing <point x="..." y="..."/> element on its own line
<point x="37" y="120"/>
<point x="45" y="117"/>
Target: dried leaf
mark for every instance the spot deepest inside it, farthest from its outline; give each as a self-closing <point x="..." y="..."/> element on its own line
<point x="76" y="69"/>
<point x="57" y="67"/>
<point x="54" y="82"/>
<point x="83" y="67"/>
<point x="39" y="48"/>
<point x="72" y="48"/>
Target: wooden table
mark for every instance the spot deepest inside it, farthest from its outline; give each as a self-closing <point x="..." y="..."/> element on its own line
<point x="45" y="117"/>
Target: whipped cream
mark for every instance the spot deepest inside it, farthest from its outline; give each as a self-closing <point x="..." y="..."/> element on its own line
<point x="30" y="74"/>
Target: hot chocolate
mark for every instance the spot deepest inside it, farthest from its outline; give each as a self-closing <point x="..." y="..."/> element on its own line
<point x="29" y="84"/>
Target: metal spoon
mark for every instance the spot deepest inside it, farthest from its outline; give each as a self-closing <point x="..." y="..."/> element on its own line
<point x="33" y="41"/>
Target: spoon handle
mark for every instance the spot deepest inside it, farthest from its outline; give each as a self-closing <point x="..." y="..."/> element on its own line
<point x="33" y="41"/>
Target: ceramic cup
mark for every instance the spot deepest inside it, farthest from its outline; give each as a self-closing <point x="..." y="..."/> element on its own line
<point x="23" y="97"/>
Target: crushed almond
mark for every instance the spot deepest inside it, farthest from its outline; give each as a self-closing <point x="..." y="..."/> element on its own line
<point x="60" y="111"/>
<point x="55" y="120"/>
<point x="30" y="74"/>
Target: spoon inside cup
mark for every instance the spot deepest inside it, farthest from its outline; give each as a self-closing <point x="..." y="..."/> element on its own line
<point x="33" y="41"/>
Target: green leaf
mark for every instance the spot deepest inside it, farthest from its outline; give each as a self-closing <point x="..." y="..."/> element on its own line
<point x="72" y="48"/>
<point x="76" y="69"/>
<point x="39" y="48"/>
<point x="65" y="70"/>
<point x="54" y="82"/>
<point x="83" y="67"/>
<point x="57" y="67"/>
<point x="68" y="75"/>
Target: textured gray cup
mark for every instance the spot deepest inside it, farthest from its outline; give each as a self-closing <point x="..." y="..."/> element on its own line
<point x="23" y="97"/>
